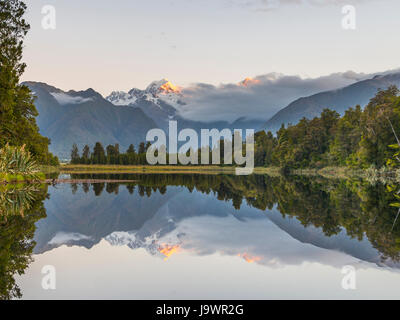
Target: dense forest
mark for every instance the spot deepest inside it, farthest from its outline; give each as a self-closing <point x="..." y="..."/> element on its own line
<point x="17" y="110"/>
<point x="110" y="155"/>
<point x="358" y="139"/>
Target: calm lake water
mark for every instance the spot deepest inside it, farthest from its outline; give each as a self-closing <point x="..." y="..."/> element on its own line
<point x="202" y="237"/>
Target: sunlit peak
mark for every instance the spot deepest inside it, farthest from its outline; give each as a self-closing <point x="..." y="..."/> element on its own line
<point x="249" y="81"/>
<point x="248" y="258"/>
<point x="168" y="87"/>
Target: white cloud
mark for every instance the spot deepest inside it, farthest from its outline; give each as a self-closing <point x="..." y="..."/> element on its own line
<point x="261" y="98"/>
<point x="67" y="237"/>
<point x="64" y="99"/>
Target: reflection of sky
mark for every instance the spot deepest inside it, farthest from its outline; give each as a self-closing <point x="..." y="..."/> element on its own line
<point x="121" y="273"/>
<point x="213" y="243"/>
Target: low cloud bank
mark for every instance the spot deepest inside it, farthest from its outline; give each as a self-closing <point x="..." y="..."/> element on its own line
<point x="259" y="97"/>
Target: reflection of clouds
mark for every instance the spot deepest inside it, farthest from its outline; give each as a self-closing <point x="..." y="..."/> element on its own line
<point x="67" y="237"/>
<point x="253" y="240"/>
<point x="257" y="241"/>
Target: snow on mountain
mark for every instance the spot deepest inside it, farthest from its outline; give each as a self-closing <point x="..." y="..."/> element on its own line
<point x="152" y="244"/>
<point x="121" y="238"/>
<point x="158" y="92"/>
<point x="120" y="98"/>
<point x="167" y="92"/>
<point x="162" y="86"/>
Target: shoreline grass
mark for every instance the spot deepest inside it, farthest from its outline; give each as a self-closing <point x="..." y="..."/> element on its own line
<point x="79" y="168"/>
<point x="49" y="169"/>
<point x="328" y="172"/>
<point x="22" y="178"/>
<point x="371" y="174"/>
<point x="332" y="172"/>
<point x="9" y="178"/>
<point x="52" y="172"/>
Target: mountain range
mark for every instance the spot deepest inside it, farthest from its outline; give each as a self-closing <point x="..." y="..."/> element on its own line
<point x="85" y="117"/>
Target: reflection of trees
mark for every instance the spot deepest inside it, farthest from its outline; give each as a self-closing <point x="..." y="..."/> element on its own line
<point x="112" y="188"/>
<point x="355" y="206"/>
<point x="20" y="208"/>
<point x="15" y="200"/>
<point x="98" y="188"/>
<point x="332" y="205"/>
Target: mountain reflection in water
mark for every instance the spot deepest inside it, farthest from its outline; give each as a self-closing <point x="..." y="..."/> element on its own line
<point x="267" y="221"/>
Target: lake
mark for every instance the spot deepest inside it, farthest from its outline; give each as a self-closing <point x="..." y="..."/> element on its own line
<point x="193" y="236"/>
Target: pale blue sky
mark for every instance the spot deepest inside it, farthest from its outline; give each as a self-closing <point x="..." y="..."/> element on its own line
<point x="117" y="45"/>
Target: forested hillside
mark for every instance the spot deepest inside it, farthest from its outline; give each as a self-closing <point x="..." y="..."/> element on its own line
<point x="360" y="138"/>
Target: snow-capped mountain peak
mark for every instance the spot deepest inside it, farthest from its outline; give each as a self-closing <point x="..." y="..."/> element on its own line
<point x="163" y="86"/>
<point x="121" y="98"/>
<point x="160" y="93"/>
